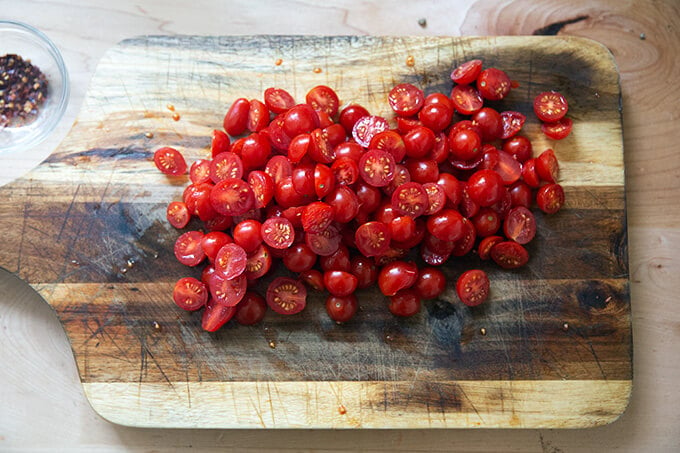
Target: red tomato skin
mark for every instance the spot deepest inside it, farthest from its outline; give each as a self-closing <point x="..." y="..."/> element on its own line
<point x="216" y="315"/>
<point x="236" y="118"/>
<point x="405" y="303"/>
<point x="431" y="283"/>
<point x="340" y="283"/>
<point x="396" y="276"/>
<point x="342" y="309"/>
<point x="251" y="310"/>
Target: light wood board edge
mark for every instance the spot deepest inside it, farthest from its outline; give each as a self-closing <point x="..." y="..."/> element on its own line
<point x="350" y="404"/>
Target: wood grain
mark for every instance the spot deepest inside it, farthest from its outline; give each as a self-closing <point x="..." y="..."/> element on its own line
<point x="94" y="244"/>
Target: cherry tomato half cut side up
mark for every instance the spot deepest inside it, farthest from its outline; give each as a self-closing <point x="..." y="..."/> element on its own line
<point x="190" y="294"/>
<point x="286" y="296"/>
<point x="473" y="287"/>
<point x="170" y="161"/>
<point x="550" y="106"/>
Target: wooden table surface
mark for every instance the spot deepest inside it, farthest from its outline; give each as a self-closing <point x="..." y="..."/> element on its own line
<point x="42" y="405"/>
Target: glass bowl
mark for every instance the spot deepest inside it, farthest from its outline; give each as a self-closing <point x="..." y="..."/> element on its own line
<point x="31" y="44"/>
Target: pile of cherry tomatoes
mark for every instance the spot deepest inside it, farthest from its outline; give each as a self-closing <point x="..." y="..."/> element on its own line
<point x="345" y="201"/>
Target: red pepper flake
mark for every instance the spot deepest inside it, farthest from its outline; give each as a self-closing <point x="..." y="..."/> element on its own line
<point x="176" y="117"/>
<point x="23" y="90"/>
<point x="317" y="70"/>
<point x="410" y="61"/>
<point x="278" y="62"/>
<point x="342" y="410"/>
<point x="171" y="107"/>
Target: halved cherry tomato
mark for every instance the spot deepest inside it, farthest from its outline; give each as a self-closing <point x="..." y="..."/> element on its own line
<point x="286" y="296"/>
<point x="299" y="147"/>
<point x="312" y="278"/>
<point x="278" y="100"/>
<point x="377" y="167"/>
<point x="430" y="284"/>
<point x="509" y="254"/>
<point x="473" y="287"/>
<point x="226" y="165"/>
<point x="199" y="172"/>
<point x="529" y="174"/>
<point x="405" y="303"/>
<point x="170" y="161"/>
<point x="466" y="242"/>
<point x="467" y="72"/>
<point x="487" y="222"/>
<point x="406" y="99"/>
<point x="227" y="292"/>
<point x="278" y="232"/>
<point x="216" y="315"/>
<point x="511" y="122"/>
<point x="177" y="214"/>
<point x="344" y="202"/>
<point x="419" y="142"/>
<point x="520" y="225"/>
<point x="324" y="180"/>
<point x="372" y="238"/>
<point x="323" y="98"/>
<point x="324" y="243"/>
<point x="251" y="309"/>
<point x="255" y="151"/>
<point x="367" y="127"/>
<point x="231" y="261"/>
<point x="466" y="99"/>
<point x="508" y="168"/>
<point x="300" y="119"/>
<point x="410" y="199"/>
<point x="550" y="106"/>
<point x="232" y="196"/>
<point x="236" y="118"/>
<point x="262" y="186"/>
<point x="278" y="168"/>
<point x="465" y="145"/>
<point x="340" y="283"/>
<point x="247" y="234"/>
<point x="320" y="148"/>
<point x="338" y="261"/>
<point x="485" y="245"/>
<point x="258" y="116"/>
<point x="547" y="166"/>
<point x="346" y="171"/>
<point x="558" y="130"/>
<point x="190" y="294"/>
<point x="493" y="84"/>
<point x="436" y="116"/>
<point x="188" y="250"/>
<point x="550" y="198"/>
<point x="396" y="276"/>
<point x="220" y="143"/>
<point x="391" y="142"/>
<point x="317" y="216"/>
<point x="259" y="262"/>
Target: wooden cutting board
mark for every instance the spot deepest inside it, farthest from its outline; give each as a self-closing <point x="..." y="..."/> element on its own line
<point x="87" y="230"/>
